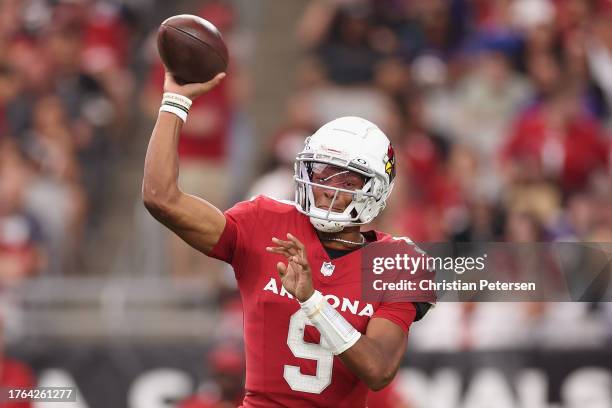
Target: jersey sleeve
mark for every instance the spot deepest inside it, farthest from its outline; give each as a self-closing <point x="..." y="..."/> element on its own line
<point x="400" y="313"/>
<point x="401" y="308"/>
<point x="240" y="222"/>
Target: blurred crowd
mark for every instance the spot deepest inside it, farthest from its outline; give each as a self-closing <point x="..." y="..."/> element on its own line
<point x="500" y="111"/>
<point x="64" y="91"/>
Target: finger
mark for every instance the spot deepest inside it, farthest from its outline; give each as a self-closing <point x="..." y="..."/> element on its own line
<point x="280" y="251"/>
<point x="290" y="246"/>
<point x="286" y="244"/>
<point x="296" y="241"/>
<point x="281" y="269"/>
<point x="291" y="250"/>
<point x="215" y="81"/>
<point x="301" y="262"/>
<point x="303" y="259"/>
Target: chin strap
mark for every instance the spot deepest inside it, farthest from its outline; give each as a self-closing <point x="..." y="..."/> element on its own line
<point x="321" y="226"/>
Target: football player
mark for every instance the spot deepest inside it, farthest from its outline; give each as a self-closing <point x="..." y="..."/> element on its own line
<point x="310" y="339"/>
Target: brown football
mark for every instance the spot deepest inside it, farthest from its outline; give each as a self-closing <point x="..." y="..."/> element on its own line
<point x="191" y="48"/>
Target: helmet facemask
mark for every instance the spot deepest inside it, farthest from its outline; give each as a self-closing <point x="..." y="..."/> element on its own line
<point x="338" y="176"/>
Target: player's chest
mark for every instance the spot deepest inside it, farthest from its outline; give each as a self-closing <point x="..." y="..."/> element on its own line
<point x="343" y="292"/>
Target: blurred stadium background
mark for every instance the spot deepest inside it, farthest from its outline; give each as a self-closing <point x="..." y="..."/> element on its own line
<point x="501" y="114"/>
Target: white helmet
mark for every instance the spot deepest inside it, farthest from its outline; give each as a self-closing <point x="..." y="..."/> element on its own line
<point x="358" y="146"/>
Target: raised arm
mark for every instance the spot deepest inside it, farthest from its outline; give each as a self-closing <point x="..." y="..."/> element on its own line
<point x="195" y="220"/>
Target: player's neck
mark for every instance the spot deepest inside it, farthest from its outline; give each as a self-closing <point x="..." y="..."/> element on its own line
<point x="351" y="239"/>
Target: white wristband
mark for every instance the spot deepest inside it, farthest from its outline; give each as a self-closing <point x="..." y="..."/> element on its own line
<point x="177" y="98"/>
<point x="338" y="332"/>
<point x="313" y="303"/>
<point x="173" y="109"/>
<point x="176" y="104"/>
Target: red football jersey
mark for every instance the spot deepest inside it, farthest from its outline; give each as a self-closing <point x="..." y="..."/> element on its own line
<point x="286" y="364"/>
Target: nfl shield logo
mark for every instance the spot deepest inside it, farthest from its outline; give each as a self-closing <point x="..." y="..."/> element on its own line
<point x="327" y="268"/>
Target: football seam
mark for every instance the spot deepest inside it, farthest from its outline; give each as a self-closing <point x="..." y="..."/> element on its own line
<point x="198" y="40"/>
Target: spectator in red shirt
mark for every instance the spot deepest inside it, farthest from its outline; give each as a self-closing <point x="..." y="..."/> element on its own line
<point x="559" y="139"/>
<point x="226" y="388"/>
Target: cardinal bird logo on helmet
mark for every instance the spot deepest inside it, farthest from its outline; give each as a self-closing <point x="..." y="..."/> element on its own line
<point x="390" y="163"/>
